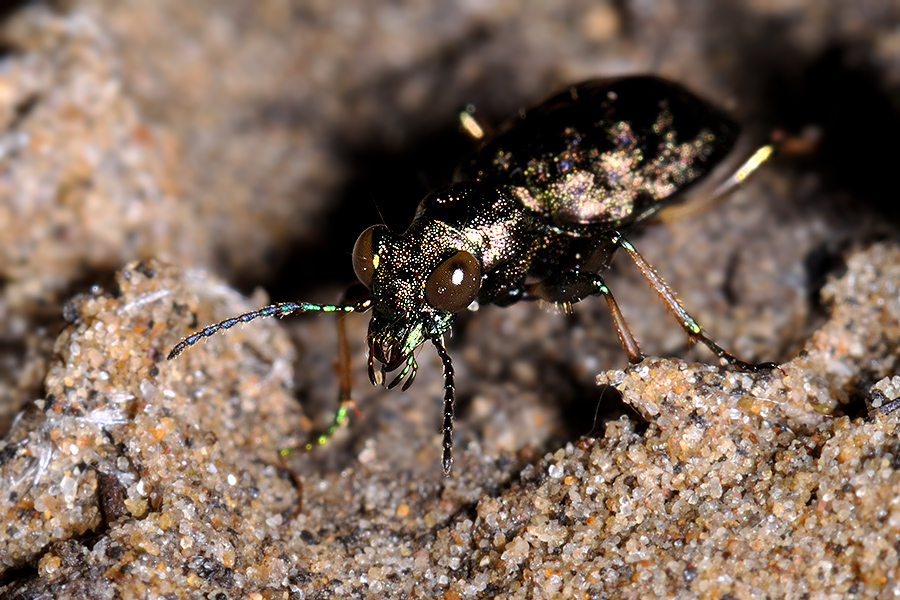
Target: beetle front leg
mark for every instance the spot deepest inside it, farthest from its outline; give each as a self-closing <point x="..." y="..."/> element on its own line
<point x="353" y="300"/>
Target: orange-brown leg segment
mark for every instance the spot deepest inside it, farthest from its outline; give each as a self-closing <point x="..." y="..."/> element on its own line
<point x="574" y="287"/>
<point x="344" y="372"/>
<point x="687" y="322"/>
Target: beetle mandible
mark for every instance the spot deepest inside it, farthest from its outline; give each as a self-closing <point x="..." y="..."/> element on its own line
<point x="536" y="213"/>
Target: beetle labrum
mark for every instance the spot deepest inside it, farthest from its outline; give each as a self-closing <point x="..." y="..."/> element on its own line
<point x="536" y="214"/>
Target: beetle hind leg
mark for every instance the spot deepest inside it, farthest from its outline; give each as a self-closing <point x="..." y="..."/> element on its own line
<point x="571" y="287"/>
<point x="687" y="322"/>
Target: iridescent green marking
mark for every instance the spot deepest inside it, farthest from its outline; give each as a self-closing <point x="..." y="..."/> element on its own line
<point x="282" y="309"/>
<point x="341" y="418"/>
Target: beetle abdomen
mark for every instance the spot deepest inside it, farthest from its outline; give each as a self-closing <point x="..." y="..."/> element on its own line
<point x="606" y="152"/>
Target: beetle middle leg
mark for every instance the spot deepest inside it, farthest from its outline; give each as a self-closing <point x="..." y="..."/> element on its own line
<point x="575" y="286"/>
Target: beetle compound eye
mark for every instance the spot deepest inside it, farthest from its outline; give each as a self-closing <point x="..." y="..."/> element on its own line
<point x="455" y="283"/>
<point x="364" y="258"/>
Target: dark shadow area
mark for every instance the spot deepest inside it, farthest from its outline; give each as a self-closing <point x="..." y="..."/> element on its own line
<point x="593" y="408"/>
<point x="385" y="187"/>
<point x="826" y="259"/>
<point x="397" y="161"/>
<point x="842" y="95"/>
<point x="841" y="123"/>
<point x="9" y="7"/>
<point x="839" y="93"/>
<point x="860" y="394"/>
<point x="839" y="96"/>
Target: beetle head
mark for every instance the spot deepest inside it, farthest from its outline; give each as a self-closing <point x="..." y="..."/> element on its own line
<point x="418" y="282"/>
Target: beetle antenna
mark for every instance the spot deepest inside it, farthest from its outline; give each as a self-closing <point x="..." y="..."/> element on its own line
<point x="282" y="309"/>
<point x="449" y="404"/>
<point x="378" y="210"/>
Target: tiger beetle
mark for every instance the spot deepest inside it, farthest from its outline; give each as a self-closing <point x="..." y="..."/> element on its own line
<point x="536" y="213"/>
